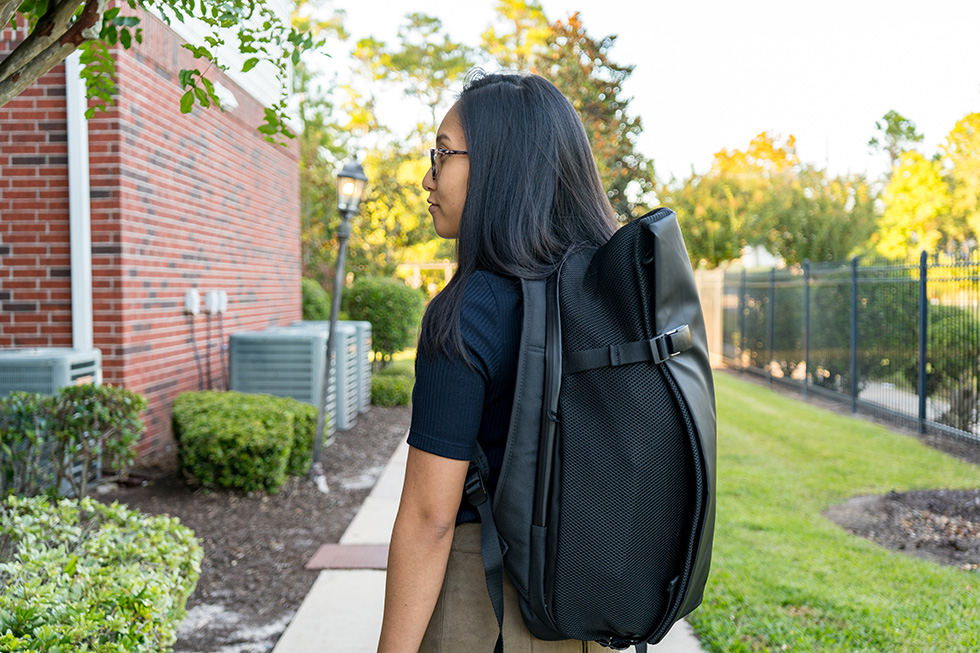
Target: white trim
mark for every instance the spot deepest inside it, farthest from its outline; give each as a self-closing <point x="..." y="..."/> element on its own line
<point x="79" y="206"/>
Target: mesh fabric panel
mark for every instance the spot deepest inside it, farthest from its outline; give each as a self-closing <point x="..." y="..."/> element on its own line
<point x="626" y="493"/>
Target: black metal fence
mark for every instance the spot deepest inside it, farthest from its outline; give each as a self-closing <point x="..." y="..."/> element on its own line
<point x="901" y="341"/>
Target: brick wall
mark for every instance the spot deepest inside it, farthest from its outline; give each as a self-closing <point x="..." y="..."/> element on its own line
<point x="178" y="202"/>
<point x="35" y="289"/>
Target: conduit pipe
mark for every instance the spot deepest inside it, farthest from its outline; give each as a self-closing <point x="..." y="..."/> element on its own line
<point x="80" y="212"/>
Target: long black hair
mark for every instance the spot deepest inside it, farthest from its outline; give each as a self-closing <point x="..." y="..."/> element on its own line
<point x="533" y="193"/>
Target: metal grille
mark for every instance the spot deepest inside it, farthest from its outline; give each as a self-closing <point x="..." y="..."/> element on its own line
<point x="285" y="364"/>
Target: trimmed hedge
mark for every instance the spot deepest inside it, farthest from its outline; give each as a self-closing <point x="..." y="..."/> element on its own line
<point x="391" y="389"/>
<point x="78" y="575"/>
<point x="316" y="301"/>
<point x="393" y="309"/>
<point x="243" y="441"/>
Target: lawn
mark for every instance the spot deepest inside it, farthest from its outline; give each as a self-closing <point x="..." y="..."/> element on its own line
<point x="786" y="578"/>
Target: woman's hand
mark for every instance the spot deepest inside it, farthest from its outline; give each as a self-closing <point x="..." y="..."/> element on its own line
<point x="419" y="550"/>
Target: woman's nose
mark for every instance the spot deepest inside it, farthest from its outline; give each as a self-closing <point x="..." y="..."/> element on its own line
<point x="428" y="181"/>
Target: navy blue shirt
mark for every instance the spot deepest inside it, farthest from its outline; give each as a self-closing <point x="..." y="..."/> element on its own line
<point x="455" y="405"/>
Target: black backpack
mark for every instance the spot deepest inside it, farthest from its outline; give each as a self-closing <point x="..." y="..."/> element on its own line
<point x="603" y="515"/>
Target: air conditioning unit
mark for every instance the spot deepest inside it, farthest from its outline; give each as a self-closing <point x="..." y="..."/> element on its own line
<point x="344" y="369"/>
<point x="48" y="369"/>
<point x="363" y="357"/>
<point x="284" y="363"/>
<point x="363" y="363"/>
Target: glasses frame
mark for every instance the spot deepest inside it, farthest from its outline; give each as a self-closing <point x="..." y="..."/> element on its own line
<point x="438" y="150"/>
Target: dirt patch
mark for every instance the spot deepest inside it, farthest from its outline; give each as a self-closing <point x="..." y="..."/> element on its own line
<point x="938" y="525"/>
<point x="255" y="546"/>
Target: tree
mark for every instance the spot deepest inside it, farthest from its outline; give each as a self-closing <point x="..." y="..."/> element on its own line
<point x="423" y="64"/>
<point x="393" y="217"/>
<point x="961" y="160"/>
<point x="830" y="220"/>
<point x="764" y="196"/>
<point x="741" y="201"/>
<point x="579" y="65"/>
<point x="56" y="28"/>
<point x="525" y="37"/>
<point x="916" y="206"/>
<point x="323" y="147"/>
<point x="894" y="133"/>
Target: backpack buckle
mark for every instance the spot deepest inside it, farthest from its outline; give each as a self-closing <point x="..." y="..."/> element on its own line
<point x="670" y="344"/>
<point x="476" y="494"/>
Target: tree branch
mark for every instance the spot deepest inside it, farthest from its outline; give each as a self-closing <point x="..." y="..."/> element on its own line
<point x="13" y="85"/>
<point x="49" y="29"/>
<point x="7" y="9"/>
<point x="53" y="38"/>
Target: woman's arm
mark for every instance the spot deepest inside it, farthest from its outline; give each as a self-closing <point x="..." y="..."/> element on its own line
<point x="419" y="550"/>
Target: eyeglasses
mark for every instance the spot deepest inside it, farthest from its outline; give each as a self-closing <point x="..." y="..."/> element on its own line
<point x="434" y="151"/>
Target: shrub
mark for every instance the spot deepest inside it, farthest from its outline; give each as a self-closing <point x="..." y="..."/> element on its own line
<point x="242" y="441"/>
<point x="391" y="389"/>
<point x="54" y="443"/>
<point x="96" y="424"/>
<point x="393" y="309"/>
<point x="316" y="301"/>
<point x="404" y="367"/>
<point x="82" y="576"/>
<point x="25" y="444"/>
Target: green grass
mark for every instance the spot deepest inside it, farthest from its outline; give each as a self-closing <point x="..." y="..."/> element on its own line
<point x="786" y="578"/>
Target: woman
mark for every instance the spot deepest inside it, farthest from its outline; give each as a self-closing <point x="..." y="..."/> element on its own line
<point x="514" y="181"/>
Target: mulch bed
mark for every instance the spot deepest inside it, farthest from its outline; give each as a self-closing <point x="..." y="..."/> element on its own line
<point x="253" y="577"/>
<point x="255" y="546"/>
<point x="938" y="525"/>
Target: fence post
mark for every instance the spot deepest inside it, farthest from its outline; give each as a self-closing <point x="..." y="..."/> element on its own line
<point x="923" y="335"/>
<point x="806" y="327"/>
<point x="854" y="333"/>
<point x="741" y="321"/>
<point x="772" y="318"/>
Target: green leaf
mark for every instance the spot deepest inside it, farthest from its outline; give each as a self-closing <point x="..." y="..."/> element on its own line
<point x="249" y="64"/>
<point x="187" y="101"/>
<point x="71" y="566"/>
<point x="125" y="38"/>
<point x="202" y="96"/>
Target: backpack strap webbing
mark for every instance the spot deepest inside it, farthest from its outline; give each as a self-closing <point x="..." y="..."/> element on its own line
<point x="493" y="562"/>
<point x="659" y="349"/>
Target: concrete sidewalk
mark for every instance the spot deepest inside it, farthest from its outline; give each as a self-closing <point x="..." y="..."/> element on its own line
<point x="342" y="612"/>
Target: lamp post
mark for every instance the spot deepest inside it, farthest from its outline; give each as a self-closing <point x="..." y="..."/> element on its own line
<point x="350" y="188"/>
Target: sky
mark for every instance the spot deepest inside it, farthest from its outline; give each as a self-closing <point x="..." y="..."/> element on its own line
<point x="712" y="74"/>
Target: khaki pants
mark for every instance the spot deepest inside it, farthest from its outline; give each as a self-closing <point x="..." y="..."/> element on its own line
<point x="463" y="620"/>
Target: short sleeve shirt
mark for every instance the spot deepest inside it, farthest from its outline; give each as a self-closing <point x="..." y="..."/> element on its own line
<point x="455" y="405"/>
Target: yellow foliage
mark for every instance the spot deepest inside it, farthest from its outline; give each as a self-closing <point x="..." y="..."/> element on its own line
<point x="961" y="153"/>
<point x="917" y="204"/>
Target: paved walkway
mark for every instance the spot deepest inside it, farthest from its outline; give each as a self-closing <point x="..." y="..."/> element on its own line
<point x="342" y="612"/>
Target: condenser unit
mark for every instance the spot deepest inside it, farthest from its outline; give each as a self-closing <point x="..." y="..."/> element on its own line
<point x="345" y="365"/>
<point x="363" y="356"/>
<point x="284" y="363"/>
<point x="46" y="370"/>
<point x="363" y="363"/>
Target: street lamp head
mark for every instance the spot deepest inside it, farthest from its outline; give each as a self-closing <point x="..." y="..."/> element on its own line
<point x="350" y="187"/>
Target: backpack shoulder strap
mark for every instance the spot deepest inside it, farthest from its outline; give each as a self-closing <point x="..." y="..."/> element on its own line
<point x="526" y="418"/>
